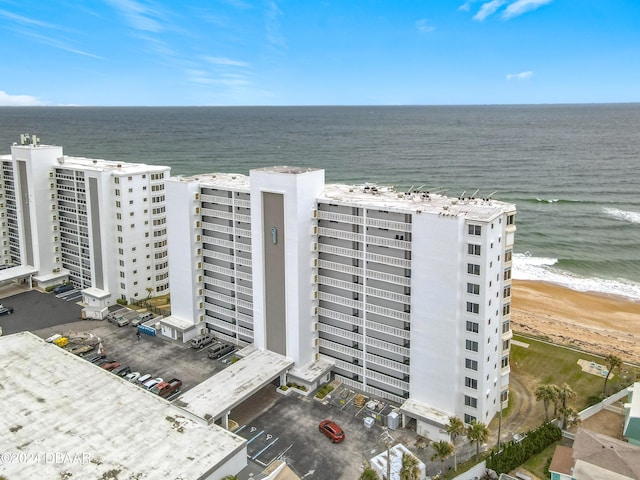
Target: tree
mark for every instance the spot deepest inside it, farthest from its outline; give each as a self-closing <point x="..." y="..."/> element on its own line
<point x="570" y="417"/>
<point x="230" y="477"/>
<point x="409" y="469"/>
<point x="442" y="451"/>
<point x="479" y="433"/>
<point x="369" y="474"/>
<point x="564" y="393"/>
<point x="546" y="394"/>
<point x="455" y="429"/>
<point x="612" y="362"/>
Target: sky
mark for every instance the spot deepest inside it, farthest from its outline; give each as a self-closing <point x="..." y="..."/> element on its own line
<point x="328" y="52"/>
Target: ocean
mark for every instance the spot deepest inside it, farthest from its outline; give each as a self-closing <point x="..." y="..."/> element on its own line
<point x="572" y="170"/>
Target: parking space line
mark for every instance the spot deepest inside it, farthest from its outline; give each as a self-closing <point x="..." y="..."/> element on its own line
<point x="240" y="428"/>
<point x="255" y="437"/>
<point x="258" y="454"/>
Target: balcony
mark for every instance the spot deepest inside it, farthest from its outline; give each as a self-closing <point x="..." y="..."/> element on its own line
<point x="385" y="362"/>
<point x="344" y="252"/>
<point x="338" y="300"/>
<point x="340" y="332"/>
<point x="341" y="234"/>
<point x="340" y="217"/>
<point x="388" y="224"/>
<point x="387" y="260"/>
<point x="388" y="242"/>
<point x="340" y="267"/>
<point x="386" y="329"/>
<point x="343" y="317"/>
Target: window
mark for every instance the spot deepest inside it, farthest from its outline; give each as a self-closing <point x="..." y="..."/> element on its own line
<point x="470" y="401"/>
<point x="473" y="307"/>
<point x="468" y="419"/>
<point x="507" y="256"/>
<point x="117" y="192"/>
<point x="473" y="249"/>
<point x="471" y="383"/>
<point x="116" y="180"/>
<point x="507" y="292"/>
<point x="472" y="327"/>
<point x="505" y="326"/>
<point x="475" y="230"/>
<point x="507" y="274"/>
<point x="131" y="190"/>
<point x="473" y="269"/>
<point x="505" y="345"/>
<point x="504" y="396"/>
<point x="473" y="288"/>
<point x="511" y="219"/>
<point x="506" y="309"/>
<point x="505" y="362"/>
<point x="472" y="346"/>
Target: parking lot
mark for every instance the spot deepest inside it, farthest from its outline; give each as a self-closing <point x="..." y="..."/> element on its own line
<point x="275" y="426"/>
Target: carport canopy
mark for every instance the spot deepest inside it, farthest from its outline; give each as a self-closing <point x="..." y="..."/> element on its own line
<point x="218" y="395"/>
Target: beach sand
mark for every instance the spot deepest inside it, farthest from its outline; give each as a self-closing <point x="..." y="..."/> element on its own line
<point x="592" y="322"/>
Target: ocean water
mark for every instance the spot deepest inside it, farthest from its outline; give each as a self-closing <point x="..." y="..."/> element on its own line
<point x="572" y="170"/>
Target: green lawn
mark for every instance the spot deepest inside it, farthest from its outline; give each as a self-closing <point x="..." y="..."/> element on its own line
<point x="544" y="363"/>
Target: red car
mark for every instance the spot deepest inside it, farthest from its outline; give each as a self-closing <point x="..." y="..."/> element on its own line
<point x="111" y="366"/>
<point x="332" y="430"/>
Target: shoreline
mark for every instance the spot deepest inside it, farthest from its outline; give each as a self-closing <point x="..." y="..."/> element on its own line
<point x="591" y="321"/>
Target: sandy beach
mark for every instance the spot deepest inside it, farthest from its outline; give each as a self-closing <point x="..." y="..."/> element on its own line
<point x="590" y="321"/>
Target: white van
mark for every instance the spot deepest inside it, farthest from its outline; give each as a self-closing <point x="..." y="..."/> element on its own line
<point x="202" y="340"/>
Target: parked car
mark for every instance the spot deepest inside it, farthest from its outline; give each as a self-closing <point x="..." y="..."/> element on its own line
<point x="141" y="318"/>
<point x="149" y="384"/>
<point x="119" y="370"/>
<point x="219" y="349"/>
<point x="80" y="349"/>
<point x="65" y="287"/>
<point x="92" y="357"/>
<point x="110" y="366"/>
<point x="5" y="310"/>
<point x="132" y="377"/>
<point x="166" y="389"/>
<point x="202" y="341"/>
<point x="144" y="378"/>
<point x="332" y="430"/>
<point x="122" y="321"/>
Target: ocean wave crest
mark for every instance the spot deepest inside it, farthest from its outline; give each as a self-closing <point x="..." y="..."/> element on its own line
<point x="626" y="215"/>
<point x="528" y="267"/>
<point x="550" y="200"/>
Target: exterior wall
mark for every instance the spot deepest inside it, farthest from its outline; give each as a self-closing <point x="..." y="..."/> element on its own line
<point x="436" y="313"/>
<point x="299" y="190"/>
<point x="35" y="205"/>
<point x="182" y="214"/>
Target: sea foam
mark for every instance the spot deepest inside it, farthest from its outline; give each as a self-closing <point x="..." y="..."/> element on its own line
<point x="629" y="216"/>
<point x="527" y="267"/>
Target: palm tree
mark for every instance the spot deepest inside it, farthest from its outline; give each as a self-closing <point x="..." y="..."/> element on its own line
<point x="570" y="417"/>
<point x="369" y="474"/>
<point x="455" y="429"/>
<point x="442" y="451"/>
<point x="230" y="477"/>
<point x="479" y="433"/>
<point x="564" y="393"/>
<point x="546" y="394"/>
<point x="612" y="362"/>
<point x="410" y="469"/>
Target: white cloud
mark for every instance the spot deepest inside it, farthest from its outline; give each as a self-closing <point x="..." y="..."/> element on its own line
<point x="226" y="61"/>
<point x="424" y="25"/>
<point x="465" y="7"/>
<point x="519" y="76"/>
<point x="7" y="100"/>
<point x="27" y="20"/>
<point x="522" y="6"/>
<point x="487" y="9"/>
<point x="137" y="15"/>
<point x="274" y="35"/>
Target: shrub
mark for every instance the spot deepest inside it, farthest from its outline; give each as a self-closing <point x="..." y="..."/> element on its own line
<point x="515" y="454"/>
<point x="324" y="391"/>
<point x="120" y="301"/>
<point x="48" y="289"/>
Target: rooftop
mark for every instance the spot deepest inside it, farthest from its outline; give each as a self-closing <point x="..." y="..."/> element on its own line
<point x="230" y="181"/>
<point x="217" y="395"/>
<point x="425" y="412"/>
<point x="54" y="403"/>
<point x="606" y="452"/>
<point x="418" y="201"/>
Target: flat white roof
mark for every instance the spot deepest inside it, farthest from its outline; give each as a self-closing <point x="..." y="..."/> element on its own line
<point x="54" y="403"/>
<point x="389" y="199"/>
<point x="214" y="397"/>
<point x="634" y="405"/>
<point x="177" y="323"/>
<point x="18" y="271"/>
<point x="228" y="181"/>
<point x="422" y="411"/>
<point x="117" y="168"/>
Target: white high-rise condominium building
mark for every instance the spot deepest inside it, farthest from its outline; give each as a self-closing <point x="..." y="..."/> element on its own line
<point x="99" y="224"/>
<point x="405" y="296"/>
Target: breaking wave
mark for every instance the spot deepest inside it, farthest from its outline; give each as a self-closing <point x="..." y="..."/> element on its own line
<point x="527" y="267"/>
<point x="626" y="215"/>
